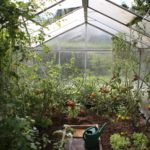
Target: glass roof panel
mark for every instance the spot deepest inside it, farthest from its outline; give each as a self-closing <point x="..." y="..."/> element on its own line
<point x="57" y="11"/>
<point x="120" y="2"/>
<point x="111" y="10"/>
<point x="106" y="21"/>
<point x="63" y="15"/>
<point x="62" y="25"/>
<point x="100" y="26"/>
<point x="84" y="37"/>
<point x="113" y="26"/>
<point x="47" y="3"/>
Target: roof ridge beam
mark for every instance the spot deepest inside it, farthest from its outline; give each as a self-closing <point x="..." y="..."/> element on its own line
<point x="85" y="4"/>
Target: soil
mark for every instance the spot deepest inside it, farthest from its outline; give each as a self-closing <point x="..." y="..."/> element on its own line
<point x="125" y="127"/>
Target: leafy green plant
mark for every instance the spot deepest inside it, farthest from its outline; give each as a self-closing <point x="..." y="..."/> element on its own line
<point x="140" y="141"/>
<point x="18" y="133"/>
<point x="119" y="142"/>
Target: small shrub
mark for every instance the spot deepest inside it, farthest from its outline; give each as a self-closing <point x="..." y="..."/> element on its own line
<point x="140" y="141"/>
<point x="119" y="142"/>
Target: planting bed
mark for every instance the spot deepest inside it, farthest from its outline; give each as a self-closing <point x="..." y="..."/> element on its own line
<point x="124" y="127"/>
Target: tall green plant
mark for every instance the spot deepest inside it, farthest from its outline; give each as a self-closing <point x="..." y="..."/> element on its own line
<point x="13" y="45"/>
<point x="127" y="64"/>
<point x="125" y="56"/>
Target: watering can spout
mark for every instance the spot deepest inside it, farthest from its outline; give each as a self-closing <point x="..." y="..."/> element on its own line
<point x="102" y="128"/>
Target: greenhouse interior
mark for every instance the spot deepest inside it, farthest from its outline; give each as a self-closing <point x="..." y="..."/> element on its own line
<point x="75" y="75"/>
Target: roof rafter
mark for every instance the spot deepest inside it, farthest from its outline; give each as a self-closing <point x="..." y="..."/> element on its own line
<point x="85" y="7"/>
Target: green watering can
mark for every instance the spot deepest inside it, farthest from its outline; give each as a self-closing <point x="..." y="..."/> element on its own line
<point x="91" y="136"/>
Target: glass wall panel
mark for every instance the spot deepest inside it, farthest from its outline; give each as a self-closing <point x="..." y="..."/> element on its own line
<point x="145" y="75"/>
<point x="100" y="63"/>
<point x="92" y="63"/>
<point x="70" y="40"/>
<point x="98" y="38"/>
<point x="72" y="64"/>
<point x="145" y="63"/>
<point x="65" y="57"/>
<point x="84" y="37"/>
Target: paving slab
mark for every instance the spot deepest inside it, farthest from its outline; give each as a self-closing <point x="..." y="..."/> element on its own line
<point x="78" y="144"/>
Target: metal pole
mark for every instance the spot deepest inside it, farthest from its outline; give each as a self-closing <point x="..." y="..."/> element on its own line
<point x="140" y="64"/>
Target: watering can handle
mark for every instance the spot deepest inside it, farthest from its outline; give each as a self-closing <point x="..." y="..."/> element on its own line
<point x="84" y="136"/>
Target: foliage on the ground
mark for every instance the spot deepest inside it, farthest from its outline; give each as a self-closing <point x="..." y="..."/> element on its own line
<point x="137" y="141"/>
<point x="140" y="141"/>
<point x="119" y="142"/>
